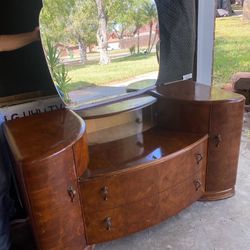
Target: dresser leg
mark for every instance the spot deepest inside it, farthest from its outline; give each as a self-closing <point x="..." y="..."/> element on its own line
<point x="219" y="195"/>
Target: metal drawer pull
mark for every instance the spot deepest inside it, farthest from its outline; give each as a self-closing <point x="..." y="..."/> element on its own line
<point x="139" y="144"/>
<point x="199" y="158"/>
<point x="108" y="223"/>
<point x="105" y="192"/>
<point x="197" y="185"/>
<point x="71" y="193"/>
<point x="138" y="120"/>
<point x="217" y="140"/>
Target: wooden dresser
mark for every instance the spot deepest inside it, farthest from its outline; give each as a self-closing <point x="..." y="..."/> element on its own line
<point x="133" y="167"/>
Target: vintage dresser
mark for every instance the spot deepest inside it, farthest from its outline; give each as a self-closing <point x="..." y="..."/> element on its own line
<point x="111" y="171"/>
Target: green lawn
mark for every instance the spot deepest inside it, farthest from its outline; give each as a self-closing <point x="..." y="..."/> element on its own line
<point x="232" y="48"/>
<point x="231" y="55"/>
<point x="118" y="70"/>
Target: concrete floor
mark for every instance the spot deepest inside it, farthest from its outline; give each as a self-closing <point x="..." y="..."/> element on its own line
<point x="220" y="225"/>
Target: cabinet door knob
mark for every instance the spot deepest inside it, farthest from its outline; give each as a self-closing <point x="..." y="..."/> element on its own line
<point x="138" y="120"/>
<point x="105" y="192"/>
<point x="217" y="140"/>
<point x="199" y="158"/>
<point x="197" y="184"/>
<point x="108" y="223"/>
<point x="71" y="193"/>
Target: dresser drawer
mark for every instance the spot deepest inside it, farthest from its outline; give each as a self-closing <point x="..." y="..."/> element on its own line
<point x="137" y="183"/>
<point x="114" y="223"/>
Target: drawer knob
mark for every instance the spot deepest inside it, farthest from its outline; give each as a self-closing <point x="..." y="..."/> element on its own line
<point x="138" y="120"/>
<point x="105" y="192"/>
<point x="197" y="184"/>
<point x="71" y="193"/>
<point x="199" y="158"/>
<point x="108" y="223"/>
<point x="217" y="140"/>
<point x="139" y="144"/>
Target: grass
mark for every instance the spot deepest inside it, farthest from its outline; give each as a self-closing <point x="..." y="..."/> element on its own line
<point x="231" y="55"/>
<point x="118" y="70"/>
<point x="232" y="46"/>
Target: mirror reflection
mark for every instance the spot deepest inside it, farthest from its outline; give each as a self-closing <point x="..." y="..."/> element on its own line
<point x="100" y="49"/>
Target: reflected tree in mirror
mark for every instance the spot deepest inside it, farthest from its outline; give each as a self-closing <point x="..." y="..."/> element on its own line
<point x="99" y="46"/>
<point x="58" y="71"/>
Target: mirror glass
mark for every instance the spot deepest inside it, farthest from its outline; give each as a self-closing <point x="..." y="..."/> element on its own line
<point x="98" y="50"/>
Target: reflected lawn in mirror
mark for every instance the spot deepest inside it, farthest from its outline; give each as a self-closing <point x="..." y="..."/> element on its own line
<point x="95" y="49"/>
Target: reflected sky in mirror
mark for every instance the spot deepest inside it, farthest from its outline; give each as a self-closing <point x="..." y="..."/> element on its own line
<point x="100" y="49"/>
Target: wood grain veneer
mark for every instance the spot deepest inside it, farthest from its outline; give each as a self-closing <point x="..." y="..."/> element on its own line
<point x="49" y="150"/>
<point x="194" y="107"/>
<point x="136" y="180"/>
<point x="78" y="194"/>
<point x="144" y="213"/>
<point x="48" y="133"/>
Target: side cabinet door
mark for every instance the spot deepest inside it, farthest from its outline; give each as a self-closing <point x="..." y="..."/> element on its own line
<point x="54" y="203"/>
<point x="223" y="150"/>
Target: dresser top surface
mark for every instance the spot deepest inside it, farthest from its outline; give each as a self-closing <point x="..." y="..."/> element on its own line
<point x="191" y="91"/>
<point x="117" y="107"/>
<point x="41" y="136"/>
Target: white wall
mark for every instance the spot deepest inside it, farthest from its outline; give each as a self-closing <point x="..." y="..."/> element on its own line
<point x="206" y="24"/>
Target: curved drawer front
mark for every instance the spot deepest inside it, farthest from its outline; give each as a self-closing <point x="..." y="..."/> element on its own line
<point x="114" y="223"/>
<point x="106" y="192"/>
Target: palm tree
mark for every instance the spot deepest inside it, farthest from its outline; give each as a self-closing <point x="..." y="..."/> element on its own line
<point x="150" y="13"/>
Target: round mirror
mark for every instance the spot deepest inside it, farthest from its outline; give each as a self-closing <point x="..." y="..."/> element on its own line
<point x="100" y="50"/>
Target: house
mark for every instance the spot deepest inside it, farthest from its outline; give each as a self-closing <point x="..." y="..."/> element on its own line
<point x="130" y="40"/>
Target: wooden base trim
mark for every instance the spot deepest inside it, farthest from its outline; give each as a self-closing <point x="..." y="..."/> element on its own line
<point x="89" y="247"/>
<point x="214" y="196"/>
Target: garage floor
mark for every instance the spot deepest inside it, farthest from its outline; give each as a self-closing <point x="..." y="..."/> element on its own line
<point x="220" y="225"/>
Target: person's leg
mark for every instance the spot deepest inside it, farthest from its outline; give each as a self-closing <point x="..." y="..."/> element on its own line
<point x="5" y="208"/>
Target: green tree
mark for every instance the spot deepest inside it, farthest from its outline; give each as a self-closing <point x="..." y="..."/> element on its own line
<point x="85" y="22"/>
<point x="118" y="16"/>
<point x="102" y="36"/>
<point x="138" y="18"/>
<point x="150" y="13"/>
<point x="119" y="13"/>
<point x="72" y="21"/>
<point x="53" y="18"/>
<point x="81" y="26"/>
